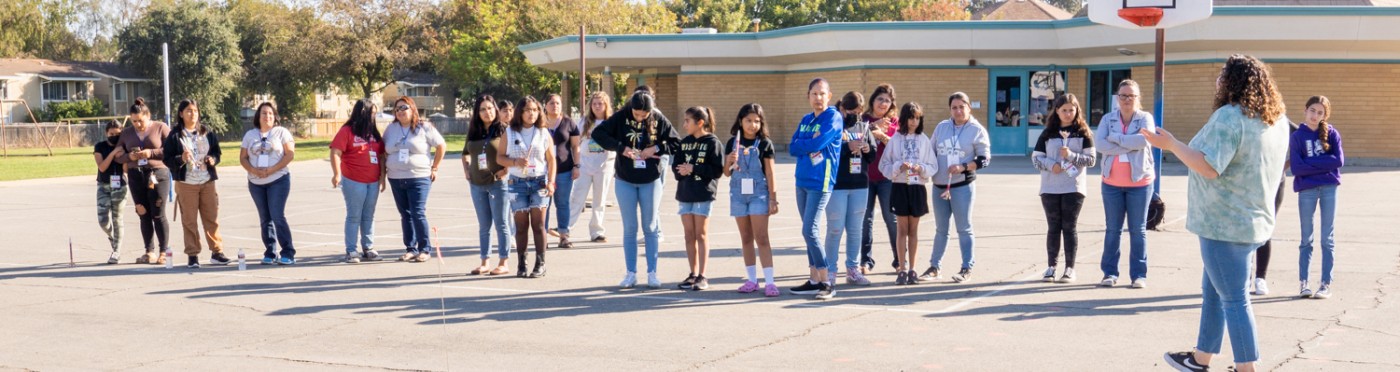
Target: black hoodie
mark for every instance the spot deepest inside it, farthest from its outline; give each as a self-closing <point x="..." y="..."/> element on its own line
<point x="621" y="131"/>
<point x="706" y="154"/>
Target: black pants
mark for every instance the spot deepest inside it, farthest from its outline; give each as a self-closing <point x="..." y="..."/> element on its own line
<point x="152" y="200"/>
<point x="1062" y="217"/>
<point x="1261" y="255"/>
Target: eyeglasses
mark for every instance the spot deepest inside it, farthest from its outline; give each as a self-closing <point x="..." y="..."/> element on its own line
<point x="402" y="108"/>
<point x="1127" y="96"/>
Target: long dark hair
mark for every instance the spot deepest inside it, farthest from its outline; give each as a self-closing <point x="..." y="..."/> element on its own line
<point x="257" y="114"/>
<point x="644" y="101"/>
<point x="702" y="114"/>
<point x="911" y="113"/>
<point x="744" y="111"/>
<point x="882" y="89"/>
<point x="1053" y="125"/>
<point x="1323" y="127"/>
<point x="361" y="121"/>
<point x="852" y="101"/>
<point x="518" y="123"/>
<point x="180" y="115"/>
<point x="477" y="130"/>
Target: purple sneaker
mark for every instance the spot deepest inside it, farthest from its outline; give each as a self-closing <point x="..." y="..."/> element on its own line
<point x="748" y="287"/>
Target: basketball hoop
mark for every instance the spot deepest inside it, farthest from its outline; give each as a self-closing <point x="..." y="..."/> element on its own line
<point x="1143" y="17"/>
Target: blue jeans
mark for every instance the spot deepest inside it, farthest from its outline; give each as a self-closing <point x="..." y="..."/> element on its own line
<point x="1132" y="203"/>
<point x="527" y="193"/>
<point x="844" y="213"/>
<point x="360" y="199"/>
<point x="492" y="205"/>
<point x="631" y="199"/>
<point x="878" y="190"/>
<point x="811" y="204"/>
<point x="701" y="209"/>
<point x="411" y="198"/>
<point x="1224" y="303"/>
<point x="1308" y="201"/>
<point x="563" y="195"/>
<point x="271" y="200"/>
<point x="959" y="208"/>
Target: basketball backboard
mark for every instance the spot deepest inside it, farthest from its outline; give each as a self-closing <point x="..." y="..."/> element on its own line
<point x="1140" y="14"/>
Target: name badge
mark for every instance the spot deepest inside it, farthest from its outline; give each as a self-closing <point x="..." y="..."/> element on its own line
<point x="817" y="158"/>
<point x="481" y="161"/>
<point x="116" y="182"/>
<point x="913" y="177"/>
<point x="403" y="155"/>
<point x="746" y="186"/>
<point x="593" y="147"/>
<point x="263" y="161"/>
<point x="142" y="162"/>
<point x="639" y="163"/>
<point x="373" y="157"/>
<point x="855" y="166"/>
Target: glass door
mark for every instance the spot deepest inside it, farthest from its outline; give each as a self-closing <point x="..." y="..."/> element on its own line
<point x="1005" y="119"/>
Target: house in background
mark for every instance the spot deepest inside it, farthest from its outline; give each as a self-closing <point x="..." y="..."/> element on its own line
<point x="119" y="87"/>
<point x="38" y="82"/>
<point x="428" y="91"/>
<point x="1022" y="10"/>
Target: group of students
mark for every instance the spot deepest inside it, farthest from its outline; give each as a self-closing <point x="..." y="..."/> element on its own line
<point x="519" y="158"/>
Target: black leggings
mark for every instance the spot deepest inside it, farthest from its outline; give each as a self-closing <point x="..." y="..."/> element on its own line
<point x="1062" y="216"/>
<point x="1261" y="255"/>
<point x="152" y="201"/>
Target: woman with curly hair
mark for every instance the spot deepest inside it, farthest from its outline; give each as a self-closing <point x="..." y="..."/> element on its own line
<point x="1236" y="163"/>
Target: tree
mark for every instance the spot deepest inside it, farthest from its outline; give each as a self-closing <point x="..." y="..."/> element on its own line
<point x="723" y="15"/>
<point x="371" y="39"/>
<point x="936" y="10"/>
<point x="284" y="54"/>
<point x="1071" y="6"/>
<point x="204" y="55"/>
<point x="39" y="29"/>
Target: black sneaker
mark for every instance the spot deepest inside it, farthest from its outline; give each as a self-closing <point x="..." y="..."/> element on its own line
<point x="930" y="274"/>
<point x="805" y="289"/>
<point x="913" y="278"/>
<point x="902" y="278"/>
<point x="826" y="292"/>
<point x="219" y="259"/>
<point x="194" y="262"/>
<point x="1184" y="361"/>
<point x="687" y="283"/>
<point x="964" y="275"/>
<point x="701" y="283"/>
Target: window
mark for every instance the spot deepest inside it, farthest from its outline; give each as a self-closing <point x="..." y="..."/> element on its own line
<point x="55" y="90"/>
<point x="1045" y="87"/>
<point x="1103" y="85"/>
<point x="119" y="91"/>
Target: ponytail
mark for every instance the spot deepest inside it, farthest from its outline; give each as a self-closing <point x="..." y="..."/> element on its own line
<point x="702" y="114"/>
<point x="1323" y="128"/>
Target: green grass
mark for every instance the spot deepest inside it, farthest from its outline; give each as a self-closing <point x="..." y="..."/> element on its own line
<point x="24" y="164"/>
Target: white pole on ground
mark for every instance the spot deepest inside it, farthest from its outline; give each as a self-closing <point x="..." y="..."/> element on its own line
<point x="165" y="66"/>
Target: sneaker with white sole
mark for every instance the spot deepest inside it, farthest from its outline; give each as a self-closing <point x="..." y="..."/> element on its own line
<point x="370" y="255"/>
<point x="1304" y="291"/>
<point x="929" y="275"/>
<point x="1139" y="283"/>
<point x="114" y="258"/>
<point x="1109" y="281"/>
<point x="1049" y="275"/>
<point x="1068" y="276"/>
<point x="826" y="292"/>
<point x="964" y="275"/>
<point x="854" y="277"/>
<point x="351" y="257"/>
<point x="1323" y="292"/>
<point x="652" y="281"/>
<point x="628" y="281"/>
<point x="1184" y="361"/>
<point x="807" y="288"/>
<point x="1261" y="287"/>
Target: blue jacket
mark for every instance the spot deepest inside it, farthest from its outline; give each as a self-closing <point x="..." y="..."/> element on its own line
<point x="820" y="175"/>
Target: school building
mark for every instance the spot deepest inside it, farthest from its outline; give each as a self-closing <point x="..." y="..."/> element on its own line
<point x="1012" y="69"/>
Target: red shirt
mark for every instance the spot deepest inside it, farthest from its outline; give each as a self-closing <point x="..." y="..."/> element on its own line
<point x="355" y="156"/>
<point x="880" y="149"/>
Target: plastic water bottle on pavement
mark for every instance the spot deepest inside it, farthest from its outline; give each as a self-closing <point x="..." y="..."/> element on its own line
<point x="169" y="260"/>
<point x="242" y="260"/>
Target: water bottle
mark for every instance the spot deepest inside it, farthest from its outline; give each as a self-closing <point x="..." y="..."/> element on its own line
<point x="242" y="260"/>
<point x="169" y="260"/>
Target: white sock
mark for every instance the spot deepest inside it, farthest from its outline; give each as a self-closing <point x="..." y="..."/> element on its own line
<point x="767" y="276"/>
<point x="753" y="271"/>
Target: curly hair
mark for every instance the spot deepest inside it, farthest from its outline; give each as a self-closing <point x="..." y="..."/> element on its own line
<point x="1248" y="82"/>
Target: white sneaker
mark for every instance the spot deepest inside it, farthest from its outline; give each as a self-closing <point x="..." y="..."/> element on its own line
<point x="114" y="258"/>
<point x="1323" y="292"/>
<point x="1304" y="292"/>
<point x="1049" y="275"/>
<point x="1139" y="283"/>
<point x="653" y="281"/>
<point x="1068" y="276"/>
<point x="1108" y="281"/>
<point x="1261" y="287"/>
<point x="628" y="281"/>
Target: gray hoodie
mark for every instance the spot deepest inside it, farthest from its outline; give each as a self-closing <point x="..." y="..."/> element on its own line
<point x="963" y="145"/>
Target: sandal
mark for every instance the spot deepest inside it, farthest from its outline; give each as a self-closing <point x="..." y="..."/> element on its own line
<point x="145" y="258"/>
<point x="482" y="270"/>
<point x="499" y="270"/>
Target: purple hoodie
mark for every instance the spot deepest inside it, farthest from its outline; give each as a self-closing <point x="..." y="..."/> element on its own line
<point x="1312" y="167"/>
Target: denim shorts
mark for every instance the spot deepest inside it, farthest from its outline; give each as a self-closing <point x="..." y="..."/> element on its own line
<point x="748" y="205"/>
<point x="527" y="193"/>
<point x="698" y="209"/>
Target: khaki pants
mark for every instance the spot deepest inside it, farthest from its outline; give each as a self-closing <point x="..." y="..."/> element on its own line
<point x="199" y="203"/>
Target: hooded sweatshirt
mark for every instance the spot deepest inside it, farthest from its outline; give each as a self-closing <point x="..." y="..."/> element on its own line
<point x="705" y="154"/>
<point x="817" y="146"/>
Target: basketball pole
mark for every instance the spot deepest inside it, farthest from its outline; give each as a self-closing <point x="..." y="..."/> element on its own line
<point x="1158" y="104"/>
